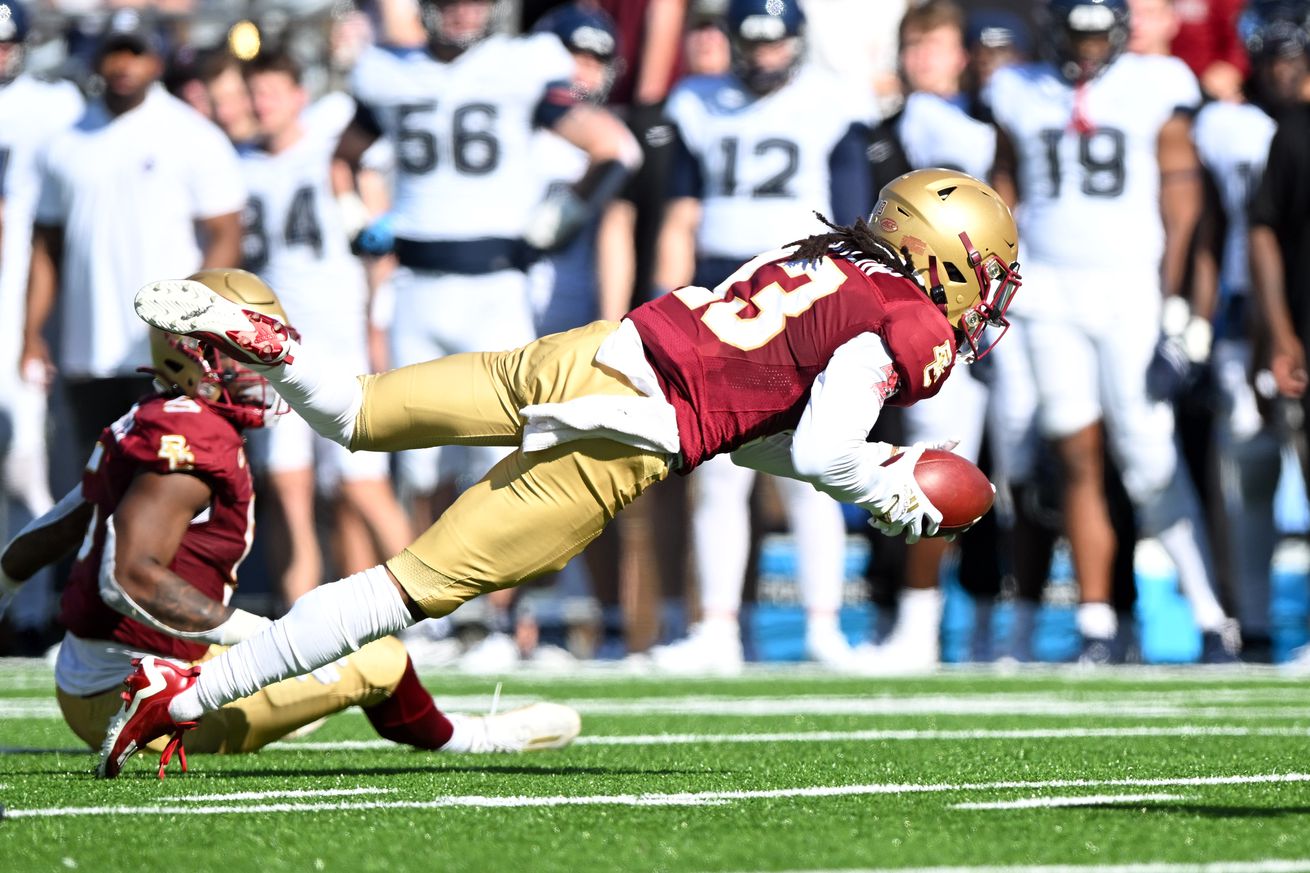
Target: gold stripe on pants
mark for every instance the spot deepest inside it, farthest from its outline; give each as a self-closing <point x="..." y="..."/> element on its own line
<point x="534" y="510"/>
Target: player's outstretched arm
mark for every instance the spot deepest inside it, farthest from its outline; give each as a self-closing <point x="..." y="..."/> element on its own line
<point x="149" y="524"/>
<point x="614" y="155"/>
<point x="42" y="542"/>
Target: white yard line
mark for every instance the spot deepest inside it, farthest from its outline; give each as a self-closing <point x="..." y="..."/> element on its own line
<point x="265" y="795"/>
<point x="700" y="798"/>
<point x="1301" y="865"/>
<point x="875" y="735"/>
<point x="1056" y="802"/>
<point x="1053" y="706"/>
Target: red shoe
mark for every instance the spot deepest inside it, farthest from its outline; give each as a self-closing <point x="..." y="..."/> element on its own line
<point x="190" y="308"/>
<point x="144" y="715"/>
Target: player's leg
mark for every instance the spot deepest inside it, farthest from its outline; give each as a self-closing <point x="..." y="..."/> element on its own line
<point x="414" y="339"/>
<point x="1248" y="461"/>
<point x="530" y="514"/>
<point x="364" y="492"/>
<point x="1065" y="367"/>
<point x="720" y="549"/>
<point x="1141" y="437"/>
<point x="489" y="313"/>
<point x="819" y="532"/>
<point x="286" y="453"/>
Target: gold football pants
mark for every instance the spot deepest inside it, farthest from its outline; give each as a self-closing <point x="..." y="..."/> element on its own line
<point x="534" y="510"/>
<point x="365" y="678"/>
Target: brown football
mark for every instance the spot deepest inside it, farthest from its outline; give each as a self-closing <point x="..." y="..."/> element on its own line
<point x="959" y="490"/>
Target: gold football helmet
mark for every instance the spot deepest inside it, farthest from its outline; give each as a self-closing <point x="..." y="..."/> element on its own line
<point x="959" y="238"/>
<point x="183" y="365"/>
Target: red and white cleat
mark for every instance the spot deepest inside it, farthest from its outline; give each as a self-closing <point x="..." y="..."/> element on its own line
<point x="190" y="308"/>
<point x="144" y="715"/>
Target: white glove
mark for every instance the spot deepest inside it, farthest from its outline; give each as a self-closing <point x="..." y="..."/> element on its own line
<point x="1193" y="333"/>
<point x="555" y="221"/>
<point x="900" y="506"/>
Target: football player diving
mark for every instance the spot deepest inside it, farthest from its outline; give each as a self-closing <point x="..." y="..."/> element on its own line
<point x="786" y="364"/>
<point x="164" y="516"/>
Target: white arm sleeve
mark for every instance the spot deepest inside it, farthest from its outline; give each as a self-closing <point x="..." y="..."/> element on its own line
<point x="829" y="447"/>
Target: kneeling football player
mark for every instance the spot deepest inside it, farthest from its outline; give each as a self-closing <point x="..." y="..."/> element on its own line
<point x="164" y="516"/>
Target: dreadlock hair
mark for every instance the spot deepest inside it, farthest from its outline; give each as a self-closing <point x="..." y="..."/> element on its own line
<point x="858" y="241"/>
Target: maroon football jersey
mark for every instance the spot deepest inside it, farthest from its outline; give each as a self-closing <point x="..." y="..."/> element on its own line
<point x="175" y="435"/>
<point x="737" y="363"/>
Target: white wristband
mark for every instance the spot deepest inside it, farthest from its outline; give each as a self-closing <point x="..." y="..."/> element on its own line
<point x="240" y="625"/>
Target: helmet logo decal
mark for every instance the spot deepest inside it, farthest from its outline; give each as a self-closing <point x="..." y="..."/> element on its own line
<point x="763" y="28"/>
<point x="889" y="225"/>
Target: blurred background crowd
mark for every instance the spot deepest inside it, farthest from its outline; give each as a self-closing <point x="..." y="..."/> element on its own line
<point x="1158" y="521"/>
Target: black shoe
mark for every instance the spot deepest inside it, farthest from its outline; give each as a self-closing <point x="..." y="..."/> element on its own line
<point x="1216" y="648"/>
<point x="1096" y="651"/>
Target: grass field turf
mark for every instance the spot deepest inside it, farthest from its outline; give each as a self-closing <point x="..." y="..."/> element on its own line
<point x="780" y="770"/>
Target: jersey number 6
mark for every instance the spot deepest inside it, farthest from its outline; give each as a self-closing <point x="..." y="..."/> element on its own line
<point x="774" y="303"/>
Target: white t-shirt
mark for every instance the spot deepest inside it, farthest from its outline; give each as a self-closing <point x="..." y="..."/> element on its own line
<point x="1085" y="193"/>
<point x="31" y="112"/>
<point x="462" y="132"/>
<point x="127" y="192"/>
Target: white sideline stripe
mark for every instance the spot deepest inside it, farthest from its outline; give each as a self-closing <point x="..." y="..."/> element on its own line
<point x="857" y="736"/>
<point x="962" y="705"/>
<point x="264" y="795"/>
<point x="1262" y="866"/>
<point x="700" y="798"/>
<point x="1054" y="802"/>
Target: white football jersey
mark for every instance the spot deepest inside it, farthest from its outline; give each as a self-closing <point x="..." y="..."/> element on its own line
<point x="31" y="111"/>
<point x="462" y="132"/>
<point x="293" y="236"/>
<point x="1084" y="194"/>
<point x="936" y="133"/>
<point x="1233" y="141"/>
<point x="763" y="160"/>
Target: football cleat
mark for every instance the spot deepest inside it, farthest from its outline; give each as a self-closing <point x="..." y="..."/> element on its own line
<point x="709" y="649"/>
<point x="530" y="728"/>
<point x="144" y="715"/>
<point x="189" y="308"/>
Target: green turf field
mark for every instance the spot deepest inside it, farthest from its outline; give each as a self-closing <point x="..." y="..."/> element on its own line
<point x="779" y="770"/>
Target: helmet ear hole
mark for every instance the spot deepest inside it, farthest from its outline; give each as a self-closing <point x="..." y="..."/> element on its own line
<point x="954" y="273"/>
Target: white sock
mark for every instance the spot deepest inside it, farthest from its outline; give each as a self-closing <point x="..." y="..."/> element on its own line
<point x="326" y="395"/>
<point x="920" y="611"/>
<point x="819" y="532"/>
<point x="721" y="533"/>
<point x="822" y="624"/>
<point x="329" y="622"/>
<point x="462" y="733"/>
<point x="1179" y="540"/>
<point x="1097" y="620"/>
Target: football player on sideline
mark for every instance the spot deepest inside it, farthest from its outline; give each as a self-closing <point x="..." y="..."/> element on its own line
<point x="294" y="241"/>
<point x="757" y="151"/>
<point x="786" y="364"/>
<point x="460" y="112"/>
<point x="32" y="111"/>
<point x="1098" y="139"/>
<point x="164" y="516"/>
